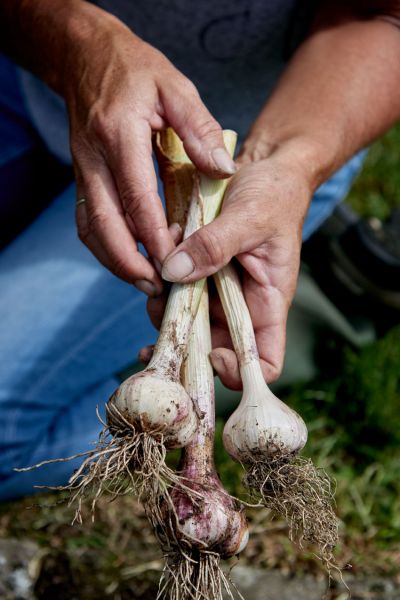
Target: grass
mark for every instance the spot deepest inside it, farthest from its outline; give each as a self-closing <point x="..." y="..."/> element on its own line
<point x="377" y="191"/>
<point x="353" y="413"/>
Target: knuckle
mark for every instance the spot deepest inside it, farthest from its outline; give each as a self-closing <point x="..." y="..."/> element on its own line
<point x="133" y="200"/>
<point x="102" y="126"/>
<point x="83" y="151"/>
<point x="96" y="221"/>
<point x="77" y="145"/>
<point x="188" y="88"/>
<point x="208" y="128"/>
<point x="135" y="205"/>
<point x="212" y="248"/>
<point x="120" y="268"/>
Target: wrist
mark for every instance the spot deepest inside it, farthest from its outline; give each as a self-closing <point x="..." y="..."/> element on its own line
<point x="302" y="155"/>
<point x="85" y="29"/>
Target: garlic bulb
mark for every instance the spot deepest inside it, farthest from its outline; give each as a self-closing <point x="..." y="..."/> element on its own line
<point x="213" y="522"/>
<point x="199" y="522"/>
<point x="265" y="436"/>
<point x="157" y="406"/>
<point x="262" y="425"/>
<point x="154" y="400"/>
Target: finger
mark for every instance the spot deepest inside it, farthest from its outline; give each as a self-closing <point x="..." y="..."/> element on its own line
<point x="200" y="133"/>
<point x="176" y="232"/>
<point x="131" y="162"/>
<point x="104" y="230"/>
<point x="210" y="248"/>
<point x="270" y="333"/>
<point x="226" y="366"/>
<point x="156" y="307"/>
<point x="268" y="290"/>
<point x="145" y="354"/>
<point x="223" y="357"/>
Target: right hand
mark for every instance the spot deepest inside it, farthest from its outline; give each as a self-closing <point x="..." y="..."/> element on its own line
<point x="118" y="90"/>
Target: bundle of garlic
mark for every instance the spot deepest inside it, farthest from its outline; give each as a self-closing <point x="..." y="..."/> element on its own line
<point x="198" y="522"/>
<point x="195" y="519"/>
<point x="265" y="436"/>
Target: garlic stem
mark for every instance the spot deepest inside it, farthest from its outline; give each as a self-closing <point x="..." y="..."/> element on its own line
<point x="262" y="425"/>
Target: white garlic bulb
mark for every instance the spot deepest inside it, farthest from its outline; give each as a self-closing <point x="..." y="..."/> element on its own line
<point x="155" y="404"/>
<point x="262" y="425"/>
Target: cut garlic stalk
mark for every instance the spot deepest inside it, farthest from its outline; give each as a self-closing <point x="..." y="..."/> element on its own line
<point x="265" y="436"/>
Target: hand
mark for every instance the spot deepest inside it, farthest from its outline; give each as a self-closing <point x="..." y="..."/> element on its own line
<point x="260" y="224"/>
<point x="119" y="90"/>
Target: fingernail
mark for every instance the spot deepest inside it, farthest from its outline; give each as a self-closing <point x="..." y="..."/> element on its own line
<point x="146" y="286"/>
<point x="157" y="265"/>
<point x="176" y="232"/>
<point x="217" y="359"/>
<point x="177" y="267"/>
<point x="223" y="161"/>
<point x="175" y="229"/>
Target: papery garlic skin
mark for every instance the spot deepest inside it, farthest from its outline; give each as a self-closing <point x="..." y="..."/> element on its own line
<point x="262" y="425"/>
<point x="154" y="404"/>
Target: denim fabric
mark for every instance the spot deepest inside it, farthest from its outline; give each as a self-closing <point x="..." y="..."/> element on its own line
<point x="331" y="193"/>
<point x="67" y="328"/>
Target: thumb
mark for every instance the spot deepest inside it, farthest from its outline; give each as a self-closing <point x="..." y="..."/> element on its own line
<point x="206" y="251"/>
<point x="200" y="133"/>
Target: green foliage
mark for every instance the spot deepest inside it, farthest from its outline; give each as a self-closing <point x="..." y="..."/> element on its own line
<point x="376" y="191"/>
<point x="369" y="394"/>
<point x="354" y="422"/>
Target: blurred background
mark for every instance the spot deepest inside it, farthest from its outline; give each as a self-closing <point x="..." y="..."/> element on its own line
<point x="342" y="374"/>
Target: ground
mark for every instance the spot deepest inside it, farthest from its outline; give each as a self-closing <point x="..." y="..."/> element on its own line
<point x="352" y="413"/>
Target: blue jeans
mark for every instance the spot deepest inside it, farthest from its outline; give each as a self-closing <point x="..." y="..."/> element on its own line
<point x="68" y="326"/>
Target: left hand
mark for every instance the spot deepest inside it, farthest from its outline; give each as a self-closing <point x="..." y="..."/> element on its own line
<point x="260" y="224"/>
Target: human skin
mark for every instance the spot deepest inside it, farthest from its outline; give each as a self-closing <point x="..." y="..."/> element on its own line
<point x="337" y="94"/>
